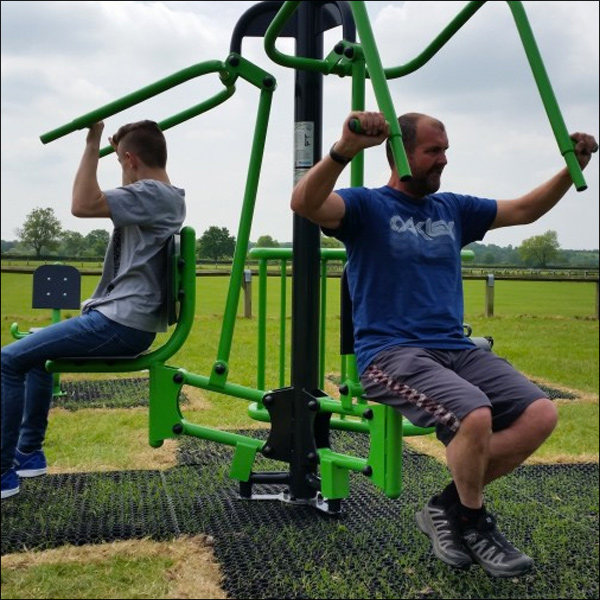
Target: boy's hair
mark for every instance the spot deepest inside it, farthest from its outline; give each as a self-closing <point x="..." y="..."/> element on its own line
<point x="144" y="139"/>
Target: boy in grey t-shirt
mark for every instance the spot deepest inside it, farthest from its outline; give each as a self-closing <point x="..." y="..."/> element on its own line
<point x="127" y="308"/>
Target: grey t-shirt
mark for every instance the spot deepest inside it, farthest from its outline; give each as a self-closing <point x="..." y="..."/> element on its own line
<point x="132" y="289"/>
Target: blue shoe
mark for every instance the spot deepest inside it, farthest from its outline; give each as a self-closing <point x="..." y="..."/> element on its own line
<point x="10" y="484"/>
<point x="30" y="465"/>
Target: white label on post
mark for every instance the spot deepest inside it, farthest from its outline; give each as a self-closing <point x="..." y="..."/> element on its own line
<point x="304" y="142"/>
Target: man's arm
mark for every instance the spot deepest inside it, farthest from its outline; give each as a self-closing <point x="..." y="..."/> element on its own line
<point x="313" y="197"/>
<point x="539" y="201"/>
<point x="88" y="199"/>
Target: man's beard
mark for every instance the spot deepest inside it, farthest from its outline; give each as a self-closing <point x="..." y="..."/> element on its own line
<point x="423" y="186"/>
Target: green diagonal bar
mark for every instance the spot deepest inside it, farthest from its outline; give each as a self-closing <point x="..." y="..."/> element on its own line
<point x="380" y="86"/>
<point x="547" y="94"/>
<point x="134" y="98"/>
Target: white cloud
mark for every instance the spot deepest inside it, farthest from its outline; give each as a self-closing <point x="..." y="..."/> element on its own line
<point x="61" y="60"/>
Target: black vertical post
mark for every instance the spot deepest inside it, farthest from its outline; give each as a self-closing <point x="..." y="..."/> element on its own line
<point x="298" y="429"/>
<point x="306" y="258"/>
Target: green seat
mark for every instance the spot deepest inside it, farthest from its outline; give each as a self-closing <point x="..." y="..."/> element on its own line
<point x="165" y="381"/>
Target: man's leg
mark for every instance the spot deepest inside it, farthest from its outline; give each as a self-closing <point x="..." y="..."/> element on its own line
<point x="17" y="359"/>
<point x="420" y="385"/>
<point x="89" y="335"/>
<point x="468" y="456"/>
<point x="510" y="447"/>
<point x="477" y="456"/>
<point x="489" y="444"/>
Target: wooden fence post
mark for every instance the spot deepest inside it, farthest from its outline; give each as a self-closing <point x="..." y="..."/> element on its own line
<point x="247" y="286"/>
<point x="489" y="295"/>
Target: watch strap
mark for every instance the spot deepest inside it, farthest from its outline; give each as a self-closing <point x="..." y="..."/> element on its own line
<point x="337" y="157"/>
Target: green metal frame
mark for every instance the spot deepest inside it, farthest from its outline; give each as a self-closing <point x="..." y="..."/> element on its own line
<point x="342" y="61"/>
<point x="384" y="425"/>
<point x="166" y="382"/>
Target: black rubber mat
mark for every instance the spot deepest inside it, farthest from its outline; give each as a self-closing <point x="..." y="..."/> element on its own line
<point x="269" y="549"/>
<point x="133" y="391"/>
<point x="105" y="393"/>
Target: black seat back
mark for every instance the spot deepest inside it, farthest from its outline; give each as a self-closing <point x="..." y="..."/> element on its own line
<point x="56" y="287"/>
<point x="346" y="325"/>
<point x="173" y="256"/>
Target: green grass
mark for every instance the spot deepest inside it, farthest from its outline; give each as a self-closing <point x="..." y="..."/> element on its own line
<point x="107" y="578"/>
<point x="92" y="439"/>
<point x="535" y="298"/>
<point x="556" y="349"/>
<point x="576" y="434"/>
<point x="547" y="330"/>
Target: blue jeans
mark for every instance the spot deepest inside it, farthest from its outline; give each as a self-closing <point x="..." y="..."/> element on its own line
<point x="27" y="386"/>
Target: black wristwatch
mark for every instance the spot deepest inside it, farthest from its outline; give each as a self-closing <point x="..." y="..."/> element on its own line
<point x="337" y="157"/>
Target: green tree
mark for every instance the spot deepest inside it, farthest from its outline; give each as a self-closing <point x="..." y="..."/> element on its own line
<point x="41" y="230"/>
<point x="266" y="241"/>
<point x="330" y="242"/>
<point x="216" y="243"/>
<point x="8" y="245"/>
<point x="488" y="258"/>
<point x="540" y="250"/>
<point x="71" y="243"/>
<point x="96" y="242"/>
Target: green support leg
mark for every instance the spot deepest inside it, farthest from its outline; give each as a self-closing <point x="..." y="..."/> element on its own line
<point x="164" y="414"/>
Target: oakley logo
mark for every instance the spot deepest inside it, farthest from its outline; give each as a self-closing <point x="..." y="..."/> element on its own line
<point x="426" y="229"/>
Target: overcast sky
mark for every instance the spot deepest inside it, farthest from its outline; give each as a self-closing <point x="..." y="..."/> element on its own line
<point x="61" y="60"/>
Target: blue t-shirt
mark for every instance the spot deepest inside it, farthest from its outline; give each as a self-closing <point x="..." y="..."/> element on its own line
<point x="404" y="266"/>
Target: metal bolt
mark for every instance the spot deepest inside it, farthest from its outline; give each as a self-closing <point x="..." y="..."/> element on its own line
<point x="219" y="368"/>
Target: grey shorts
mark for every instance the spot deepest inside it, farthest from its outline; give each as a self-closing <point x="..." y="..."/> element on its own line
<point x="438" y="388"/>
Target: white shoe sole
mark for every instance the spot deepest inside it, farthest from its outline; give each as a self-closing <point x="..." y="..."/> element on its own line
<point x="9" y="493"/>
<point x="32" y="472"/>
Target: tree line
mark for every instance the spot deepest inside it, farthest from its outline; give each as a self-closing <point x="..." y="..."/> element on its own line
<point x="42" y="235"/>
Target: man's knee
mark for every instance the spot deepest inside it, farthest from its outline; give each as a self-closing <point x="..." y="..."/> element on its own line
<point x="542" y="415"/>
<point x="477" y="423"/>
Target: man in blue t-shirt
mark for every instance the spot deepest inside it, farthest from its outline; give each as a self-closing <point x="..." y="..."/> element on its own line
<point x="403" y="243"/>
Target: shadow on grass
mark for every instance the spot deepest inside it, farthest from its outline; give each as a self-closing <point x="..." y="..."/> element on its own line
<point x="275" y="550"/>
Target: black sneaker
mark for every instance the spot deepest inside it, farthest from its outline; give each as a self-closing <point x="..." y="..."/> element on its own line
<point x="497" y="556"/>
<point x="441" y="525"/>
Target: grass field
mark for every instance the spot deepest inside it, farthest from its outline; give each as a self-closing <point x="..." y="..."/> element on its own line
<point x="546" y="329"/>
